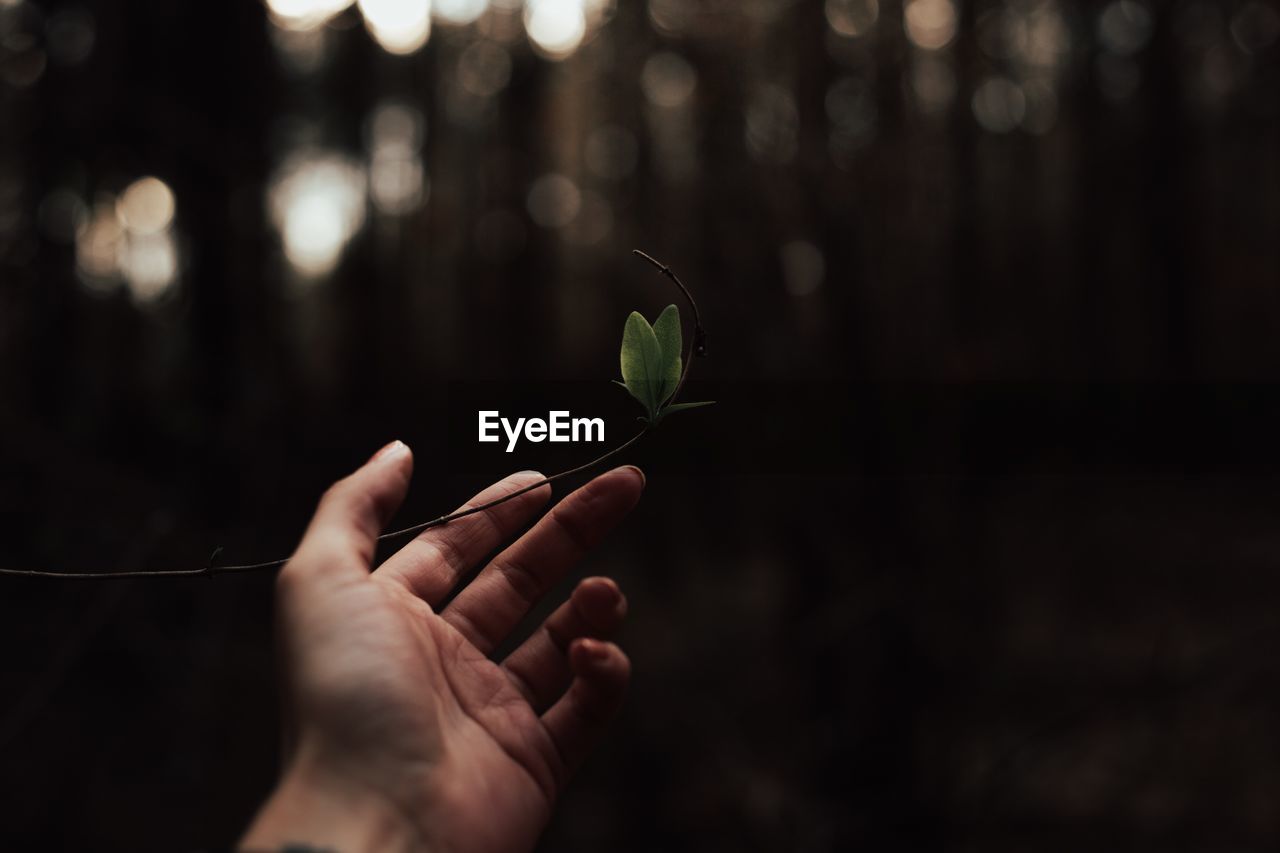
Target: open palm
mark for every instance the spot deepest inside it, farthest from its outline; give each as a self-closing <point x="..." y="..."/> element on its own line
<point x="396" y="711"/>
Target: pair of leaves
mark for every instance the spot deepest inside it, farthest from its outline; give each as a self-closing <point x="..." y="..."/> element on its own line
<point x="652" y="363"/>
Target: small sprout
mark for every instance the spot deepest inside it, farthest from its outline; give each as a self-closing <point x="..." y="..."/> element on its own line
<point x="652" y="366"/>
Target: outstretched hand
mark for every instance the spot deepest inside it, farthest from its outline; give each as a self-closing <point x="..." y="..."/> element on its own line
<point x="401" y="732"/>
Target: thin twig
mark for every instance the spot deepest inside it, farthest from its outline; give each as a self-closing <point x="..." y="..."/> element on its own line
<point x="445" y="519"/>
<point x="697" y="345"/>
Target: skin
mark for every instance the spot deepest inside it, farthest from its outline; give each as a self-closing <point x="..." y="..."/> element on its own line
<point x="401" y="732"/>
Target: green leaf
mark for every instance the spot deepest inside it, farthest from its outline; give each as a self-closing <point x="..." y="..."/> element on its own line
<point x="667" y="331"/>
<point x="680" y="407"/>
<point x="641" y="361"/>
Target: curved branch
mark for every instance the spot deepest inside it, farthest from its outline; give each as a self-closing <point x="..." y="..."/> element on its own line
<point x="697" y="345"/>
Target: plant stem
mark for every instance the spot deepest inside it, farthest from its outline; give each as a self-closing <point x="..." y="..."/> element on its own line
<point x="696" y="345"/>
<point x="212" y="569"/>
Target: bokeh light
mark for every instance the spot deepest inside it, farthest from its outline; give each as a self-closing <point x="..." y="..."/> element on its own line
<point x="149" y="264"/>
<point x="671" y="17"/>
<point x="999" y="105"/>
<point x="397" y="179"/>
<point x="555" y="27"/>
<point x="146" y="206"/>
<point x="484" y="68"/>
<point x="396" y="124"/>
<point x="1046" y="44"/>
<point x="400" y="27"/>
<point x="128" y="239"/>
<point x="98" y="246"/>
<point x="459" y="12"/>
<point x="930" y="24"/>
<point x="668" y="80"/>
<point x="553" y="201"/>
<point x="317" y="203"/>
<point x="397" y="183"/>
<point x="304" y="14"/>
<point x="1124" y="27"/>
<point x="301" y="51"/>
<point x="852" y="17"/>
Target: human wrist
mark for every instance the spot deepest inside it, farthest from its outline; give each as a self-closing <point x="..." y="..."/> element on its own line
<point x="319" y="810"/>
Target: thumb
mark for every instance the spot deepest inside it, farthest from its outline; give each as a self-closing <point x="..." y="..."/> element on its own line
<point x="343" y="533"/>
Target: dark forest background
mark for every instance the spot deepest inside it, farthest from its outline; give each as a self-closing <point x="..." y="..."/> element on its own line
<point x="979" y="550"/>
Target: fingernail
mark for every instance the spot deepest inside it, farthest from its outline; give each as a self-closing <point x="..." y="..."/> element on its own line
<point x="596" y="650"/>
<point x="393" y="450"/>
<point x="614" y="599"/>
<point x="639" y="472"/>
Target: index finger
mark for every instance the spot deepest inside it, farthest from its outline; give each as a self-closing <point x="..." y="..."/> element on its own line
<point x="344" y="530"/>
<point x="432" y="564"/>
<point x="493" y="603"/>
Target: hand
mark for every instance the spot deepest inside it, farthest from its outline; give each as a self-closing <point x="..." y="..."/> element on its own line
<point x="401" y="732"/>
